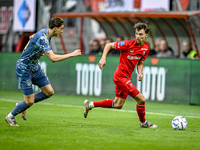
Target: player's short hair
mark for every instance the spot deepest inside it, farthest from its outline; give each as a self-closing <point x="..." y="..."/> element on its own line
<point x="55" y="22"/>
<point x="140" y="25"/>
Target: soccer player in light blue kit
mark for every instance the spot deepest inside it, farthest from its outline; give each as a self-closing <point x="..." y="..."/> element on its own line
<point x="29" y="71"/>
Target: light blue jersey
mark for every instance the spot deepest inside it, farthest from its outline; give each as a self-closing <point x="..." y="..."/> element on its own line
<point x="37" y="45"/>
<point x="27" y="68"/>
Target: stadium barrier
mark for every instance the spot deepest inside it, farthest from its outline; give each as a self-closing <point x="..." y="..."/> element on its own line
<point x="165" y="80"/>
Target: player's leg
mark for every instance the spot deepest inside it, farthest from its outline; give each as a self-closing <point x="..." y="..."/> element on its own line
<point x="134" y="93"/>
<point x="88" y="105"/>
<point x="38" y="78"/>
<point x="108" y="103"/>
<point x="117" y="103"/>
<point x="140" y="108"/>
<point x="21" y="107"/>
<point x="29" y="100"/>
<point x="41" y="80"/>
<point x="121" y="94"/>
<point x="46" y="92"/>
<point x="24" y="83"/>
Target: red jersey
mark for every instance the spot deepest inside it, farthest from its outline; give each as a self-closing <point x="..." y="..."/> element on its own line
<point x="130" y="54"/>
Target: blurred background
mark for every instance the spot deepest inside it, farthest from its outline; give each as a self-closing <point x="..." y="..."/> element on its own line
<point x="174" y="21"/>
<point x="171" y="72"/>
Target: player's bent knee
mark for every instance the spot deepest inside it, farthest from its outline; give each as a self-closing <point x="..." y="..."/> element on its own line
<point x="29" y="99"/>
<point x="119" y="106"/>
<point x="142" y="101"/>
<point x="50" y="93"/>
<point x="29" y="103"/>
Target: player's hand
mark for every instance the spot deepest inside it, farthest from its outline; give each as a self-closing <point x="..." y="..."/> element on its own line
<point x="77" y="52"/>
<point x="41" y="56"/>
<point x="31" y="36"/>
<point x="140" y="77"/>
<point x="102" y="63"/>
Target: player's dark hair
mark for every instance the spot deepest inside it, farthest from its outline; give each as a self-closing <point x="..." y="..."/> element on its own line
<point x="55" y="22"/>
<point x="140" y="25"/>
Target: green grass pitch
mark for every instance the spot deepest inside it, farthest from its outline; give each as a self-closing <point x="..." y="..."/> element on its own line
<point x="58" y="124"/>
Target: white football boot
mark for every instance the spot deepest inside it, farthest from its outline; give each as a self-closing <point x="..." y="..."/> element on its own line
<point x="87" y="108"/>
<point x="148" y="125"/>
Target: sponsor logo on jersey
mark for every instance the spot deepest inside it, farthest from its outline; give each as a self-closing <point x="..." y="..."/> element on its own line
<point x="144" y="49"/>
<point x="131" y="51"/>
<point x="133" y="57"/>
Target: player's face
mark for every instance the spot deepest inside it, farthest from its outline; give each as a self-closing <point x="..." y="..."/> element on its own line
<point x="58" y="30"/>
<point x="140" y="36"/>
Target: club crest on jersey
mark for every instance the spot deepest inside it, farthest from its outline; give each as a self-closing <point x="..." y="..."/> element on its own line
<point x="129" y="83"/>
<point x="28" y="82"/>
<point x="144" y="53"/>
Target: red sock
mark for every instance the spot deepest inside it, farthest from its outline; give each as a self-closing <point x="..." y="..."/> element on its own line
<point x="107" y="103"/>
<point x="141" y="112"/>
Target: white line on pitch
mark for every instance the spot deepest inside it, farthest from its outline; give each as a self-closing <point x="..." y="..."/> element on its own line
<point x="131" y="111"/>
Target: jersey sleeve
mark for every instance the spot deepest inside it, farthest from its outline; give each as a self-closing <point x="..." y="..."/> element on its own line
<point x="44" y="43"/>
<point x="121" y="45"/>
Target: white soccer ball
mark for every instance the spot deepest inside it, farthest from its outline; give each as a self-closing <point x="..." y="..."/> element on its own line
<point x="179" y="123"/>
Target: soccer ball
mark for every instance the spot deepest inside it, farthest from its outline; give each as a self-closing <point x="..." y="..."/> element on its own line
<point x="179" y="123"/>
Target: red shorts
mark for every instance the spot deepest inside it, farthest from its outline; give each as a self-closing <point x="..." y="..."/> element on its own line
<point x="125" y="87"/>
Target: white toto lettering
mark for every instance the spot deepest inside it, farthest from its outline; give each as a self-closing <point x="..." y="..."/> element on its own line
<point x="161" y="84"/>
<point x="89" y="79"/>
<point x="84" y="87"/>
<point x="153" y="83"/>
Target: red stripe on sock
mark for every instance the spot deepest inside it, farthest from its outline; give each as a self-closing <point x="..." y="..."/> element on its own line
<point x="107" y="103"/>
<point x="141" y="112"/>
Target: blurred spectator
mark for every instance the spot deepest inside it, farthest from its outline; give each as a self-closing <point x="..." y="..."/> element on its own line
<point x="96" y="49"/>
<point x="112" y="51"/>
<point x="91" y="45"/>
<point x="102" y="43"/>
<point x="154" y="51"/>
<point x="188" y="52"/>
<point x="165" y="50"/>
<point x="119" y="38"/>
<point x="109" y="40"/>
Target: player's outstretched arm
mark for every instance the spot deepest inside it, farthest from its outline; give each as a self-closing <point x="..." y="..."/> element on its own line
<point x="140" y="69"/>
<point x="55" y="57"/>
<point x="107" y="48"/>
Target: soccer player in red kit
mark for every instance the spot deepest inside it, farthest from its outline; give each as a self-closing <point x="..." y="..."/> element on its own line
<point x="133" y="52"/>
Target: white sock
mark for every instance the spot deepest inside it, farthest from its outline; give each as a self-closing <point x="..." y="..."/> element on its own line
<point x="143" y="123"/>
<point x="10" y="115"/>
<point x="91" y="104"/>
